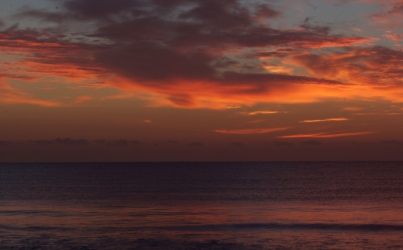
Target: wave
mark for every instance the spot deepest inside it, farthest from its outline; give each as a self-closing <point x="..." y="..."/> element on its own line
<point x="229" y="227"/>
<point x="291" y="226"/>
<point x="32" y="212"/>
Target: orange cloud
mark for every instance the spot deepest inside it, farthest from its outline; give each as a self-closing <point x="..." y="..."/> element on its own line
<point x="392" y="13"/>
<point x="379" y="114"/>
<point x="394" y="37"/>
<point x="9" y="95"/>
<point x="253" y="122"/>
<point x="27" y="100"/>
<point x="324" y="135"/>
<point x="38" y="54"/>
<point x="82" y="99"/>
<point x="368" y="73"/>
<point x="352" y="108"/>
<point x="176" y="62"/>
<point x="325" y="120"/>
<point x="249" y="131"/>
<point x="260" y="112"/>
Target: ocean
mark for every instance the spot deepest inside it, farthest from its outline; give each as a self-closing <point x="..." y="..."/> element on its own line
<point x="209" y="205"/>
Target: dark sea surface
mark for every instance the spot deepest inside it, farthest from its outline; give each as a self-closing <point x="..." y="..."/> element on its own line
<point x="272" y="205"/>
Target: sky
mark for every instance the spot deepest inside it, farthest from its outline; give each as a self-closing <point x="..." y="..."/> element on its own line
<point x="201" y="80"/>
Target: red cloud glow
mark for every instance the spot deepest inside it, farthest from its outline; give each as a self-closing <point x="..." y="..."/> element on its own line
<point x="200" y="59"/>
<point x="193" y="61"/>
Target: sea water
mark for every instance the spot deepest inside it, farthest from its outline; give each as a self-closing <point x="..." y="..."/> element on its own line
<point x="248" y="205"/>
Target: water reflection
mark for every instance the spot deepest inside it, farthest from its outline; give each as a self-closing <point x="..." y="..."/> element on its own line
<point x="201" y="206"/>
<point x="243" y="225"/>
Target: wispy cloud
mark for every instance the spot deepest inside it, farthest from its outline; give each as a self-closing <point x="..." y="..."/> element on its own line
<point x="82" y="99"/>
<point x="9" y="95"/>
<point x="394" y="37"/>
<point x="379" y="114"/>
<point x="353" y="108"/>
<point x="325" y="120"/>
<point x="261" y="112"/>
<point x="249" y="131"/>
<point x="326" y="135"/>
<point x="391" y="15"/>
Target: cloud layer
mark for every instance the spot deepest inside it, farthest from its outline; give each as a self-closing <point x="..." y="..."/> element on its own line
<point x="187" y="53"/>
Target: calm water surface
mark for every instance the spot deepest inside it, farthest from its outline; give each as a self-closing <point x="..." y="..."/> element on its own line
<point x="299" y="205"/>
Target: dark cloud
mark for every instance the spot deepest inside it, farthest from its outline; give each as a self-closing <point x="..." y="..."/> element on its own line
<point x="225" y="14"/>
<point x="123" y="143"/>
<point x="260" y="83"/>
<point x="397" y="9"/>
<point x="8" y="39"/>
<point x="5" y="143"/>
<point x="59" y="141"/>
<point x="311" y="143"/>
<point x="68" y="141"/>
<point x="172" y="142"/>
<point x="283" y="144"/>
<point x="319" y="29"/>
<point x="134" y="143"/>
<point x="279" y="53"/>
<point x="12" y="28"/>
<point x="196" y="144"/>
<point x="393" y="143"/>
<point x="264" y="12"/>
<point x="238" y="144"/>
<point x="43" y="142"/>
<point x="99" y="9"/>
<point x="118" y="143"/>
<point x="162" y="44"/>
<point x="78" y="142"/>
<point x="44" y="16"/>
<point x="19" y="77"/>
<point x="147" y="61"/>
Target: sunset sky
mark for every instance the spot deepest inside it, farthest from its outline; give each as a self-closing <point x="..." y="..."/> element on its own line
<point x="201" y="80"/>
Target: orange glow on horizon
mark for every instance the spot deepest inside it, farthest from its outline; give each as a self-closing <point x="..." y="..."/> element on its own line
<point x="189" y="85"/>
